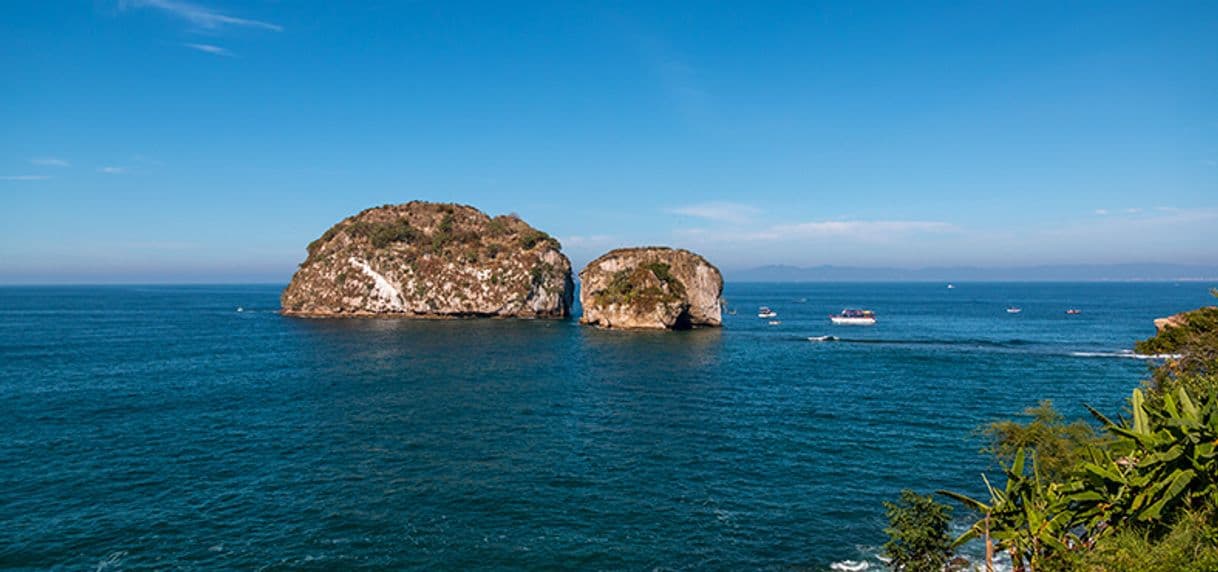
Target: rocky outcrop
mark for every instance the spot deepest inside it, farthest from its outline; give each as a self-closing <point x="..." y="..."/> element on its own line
<point x="652" y="288"/>
<point x="1183" y="318"/>
<point x="423" y="259"/>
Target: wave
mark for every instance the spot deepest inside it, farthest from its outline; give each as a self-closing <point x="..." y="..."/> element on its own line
<point x="850" y="566"/>
<point x="975" y="342"/>
<point x="983" y="343"/>
<point x="1126" y="354"/>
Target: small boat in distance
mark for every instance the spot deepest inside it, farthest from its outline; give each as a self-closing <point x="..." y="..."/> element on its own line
<point x="1073" y="311"/>
<point x="853" y="317"/>
<point x="950" y="286"/>
<point x="766" y="312"/>
<point x="1014" y="309"/>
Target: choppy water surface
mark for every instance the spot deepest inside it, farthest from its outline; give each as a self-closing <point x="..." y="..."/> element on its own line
<point x="159" y="427"/>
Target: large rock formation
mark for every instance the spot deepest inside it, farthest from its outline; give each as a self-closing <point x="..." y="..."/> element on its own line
<point x="651" y="288"/>
<point x="424" y="259"/>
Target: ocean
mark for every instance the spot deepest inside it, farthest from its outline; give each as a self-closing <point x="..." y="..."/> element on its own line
<point x="159" y="427"/>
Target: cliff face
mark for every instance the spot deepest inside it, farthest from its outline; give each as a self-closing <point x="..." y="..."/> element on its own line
<point x="424" y="259"/>
<point x="651" y="288"/>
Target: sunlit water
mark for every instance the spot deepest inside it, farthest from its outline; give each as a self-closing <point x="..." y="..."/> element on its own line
<point x="159" y="427"/>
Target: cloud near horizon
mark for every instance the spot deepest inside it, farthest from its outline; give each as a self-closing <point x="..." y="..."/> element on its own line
<point x="719" y="211"/>
<point x="859" y="230"/>
<point x="112" y="170"/>
<point x="200" y="16"/>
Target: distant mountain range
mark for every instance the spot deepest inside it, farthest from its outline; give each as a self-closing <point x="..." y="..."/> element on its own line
<point x="1149" y="272"/>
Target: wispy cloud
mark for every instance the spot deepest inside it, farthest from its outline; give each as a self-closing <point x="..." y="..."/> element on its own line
<point x="210" y="49"/>
<point x="719" y="211"/>
<point x="853" y="230"/>
<point x="1101" y="212"/>
<point x="50" y="162"/>
<point x="856" y="229"/>
<point x="200" y="16"/>
<point x="24" y="177"/>
<point x="112" y="170"/>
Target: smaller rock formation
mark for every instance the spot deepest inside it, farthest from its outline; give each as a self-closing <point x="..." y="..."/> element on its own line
<point x="652" y="288"/>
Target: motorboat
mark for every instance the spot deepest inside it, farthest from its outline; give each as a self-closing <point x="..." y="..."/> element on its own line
<point x="853" y="317"/>
<point x="765" y="312"/>
<point x="1073" y="311"/>
<point x="1014" y="310"/>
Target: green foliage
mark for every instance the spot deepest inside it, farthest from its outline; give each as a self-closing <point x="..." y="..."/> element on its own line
<point x="537" y="276"/>
<point x="443" y="234"/>
<point x="1195" y="341"/>
<point x="322" y="240"/>
<point x="917" y="531"/>
<point x="1025" y="518"/>
<point x="1163" y="462"/>
<point x="1141" y="497"/>
<point x="498" y="226"/>
<point x="382" y="234"/>
<point x="1059" y="446"/>
<point x="533" y="237"/>
<point x="1158" y="467"/>
<point x="1189" y="545"/>
<point x="651" y="283"/>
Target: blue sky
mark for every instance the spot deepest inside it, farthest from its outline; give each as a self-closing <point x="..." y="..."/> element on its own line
<point x="209" y="140"/>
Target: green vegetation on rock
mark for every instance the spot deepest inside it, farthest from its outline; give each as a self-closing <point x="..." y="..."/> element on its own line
<point x="648" y="284"/>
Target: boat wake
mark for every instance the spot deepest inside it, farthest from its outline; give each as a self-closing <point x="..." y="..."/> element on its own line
<point x="1014" y="343"/>
<point x="1009" y="345"/>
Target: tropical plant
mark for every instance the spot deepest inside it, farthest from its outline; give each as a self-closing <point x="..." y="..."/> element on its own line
<point x="1028" y="518"/>
<point x="917" y="531"/>
<point x="1164" y="460"/>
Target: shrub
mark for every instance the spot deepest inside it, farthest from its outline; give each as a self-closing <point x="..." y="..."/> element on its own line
<point x="498" y="226"/>
<point x="632" y="286"/>
<point x="1059" y="446"/>
<point x="533" y="237"/>
<point x="917" y="532"/>
<point x="382" y="234"/>
<point x="443" y="233"/>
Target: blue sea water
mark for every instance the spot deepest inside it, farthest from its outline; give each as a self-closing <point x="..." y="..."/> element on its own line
<point x="158" y="427"/>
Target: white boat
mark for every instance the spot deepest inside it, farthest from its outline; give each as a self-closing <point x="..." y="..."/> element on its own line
<point x="1014" y="310"/>
<point x="765" y="312"/>
<point x="951" y="286"/>
<point x="853" y="317"/>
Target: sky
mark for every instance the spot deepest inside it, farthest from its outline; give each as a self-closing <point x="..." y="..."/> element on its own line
<point x="211" y="140"/>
